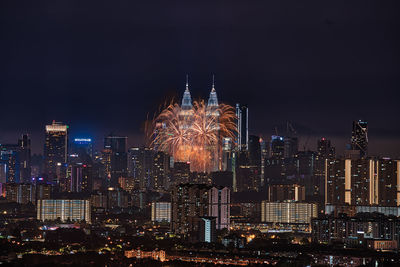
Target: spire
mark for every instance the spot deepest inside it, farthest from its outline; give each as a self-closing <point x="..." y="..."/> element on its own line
<point x="213" y="100"/>
<point x="187" y="98"/>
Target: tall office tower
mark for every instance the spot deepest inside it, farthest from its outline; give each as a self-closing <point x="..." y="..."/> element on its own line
<point x="81" y="150"/>
<point x="291" y="146"/>
<point x="191" y="201"/>
<point x="186" y="99"/>
<point x="254" y="148"/>
<point x="359" y="137"/>
<point x="242" y="114"/>
<point x="25" y="158"/>
<point x="212" y="111"/>
<point x="117" y="146"/>
<point x="186" y="106"/>
<point x="362" y="182"/>
<point x="55" y="149"/>
<point x="324" y="151"/>
<point x="227" y="154"/>
<point x="160" y="171"/>
<point x="277" y="147"/>
<point x="264" y="156"/>
<point x="10" y="163"/>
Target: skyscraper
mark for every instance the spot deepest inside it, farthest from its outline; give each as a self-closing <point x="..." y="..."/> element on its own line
<point x="362" y="182"/>
<point x="117" y="146"/>
<point x="359" y="137"/>
<point x="81" y="150"/>
<point x="25" y="158"/>
<point x="56" y="148"/>
<point x="212" y="111"/>
<point x="242" y="114"/>
<point x="10" y="163"/>
<point x="191" y="201"/>
<point x="277" y="147"/>
<point x="291" y="146"/>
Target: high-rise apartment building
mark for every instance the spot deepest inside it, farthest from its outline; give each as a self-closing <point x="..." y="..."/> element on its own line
<point x="288" y="212"/>
<point x="161" y="211"/>
<point x="191" y="201"/>
<point x="63" y="209"/>
<point x="362" y="182"/>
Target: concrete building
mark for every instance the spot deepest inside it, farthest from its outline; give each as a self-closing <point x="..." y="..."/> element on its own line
<point x="161" y="212"/>
<point x="63" y="209"/>
<point x="288" y="212"/>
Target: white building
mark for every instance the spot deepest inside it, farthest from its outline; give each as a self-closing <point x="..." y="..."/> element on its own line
<point x="161" y="212"/>
<point x="288" y="212"/>
<point x="64" y="209"/>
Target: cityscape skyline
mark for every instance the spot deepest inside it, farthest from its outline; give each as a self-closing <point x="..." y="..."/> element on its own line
<point x="173" y="133"/>
<point x="336" y="67"/>
<point x="341" y="140"/>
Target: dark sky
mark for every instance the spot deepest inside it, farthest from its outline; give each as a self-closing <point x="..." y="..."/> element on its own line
<point x="101" y="66"/>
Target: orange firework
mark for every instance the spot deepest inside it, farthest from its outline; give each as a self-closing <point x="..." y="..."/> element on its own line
<point x="194" y="135"/>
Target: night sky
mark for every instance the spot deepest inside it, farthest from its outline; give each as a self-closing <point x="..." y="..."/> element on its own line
<point x="102" y="66"/>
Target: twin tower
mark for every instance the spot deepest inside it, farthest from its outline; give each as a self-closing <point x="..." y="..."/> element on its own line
<point x="187" y="99"/>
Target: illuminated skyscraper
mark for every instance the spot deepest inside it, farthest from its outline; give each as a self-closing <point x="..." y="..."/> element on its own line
<point x="359" y="137"/>
<point x="212" y="111"/>
<point x="242" y="114"/>
<point x="10" y="163"/>
<point x="187" y="98"/>
<point x="55" y="148"/>
<point x="81" y="150"/>
<point x="25" y="158"/>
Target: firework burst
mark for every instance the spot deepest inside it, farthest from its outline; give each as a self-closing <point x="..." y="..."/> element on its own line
<point x="195" y="134"/>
